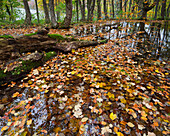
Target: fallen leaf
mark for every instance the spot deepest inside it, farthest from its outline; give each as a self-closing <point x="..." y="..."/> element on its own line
<point x="130" y="124"/>
<point x="113" y="116"/>
<point x="15" y="94"/>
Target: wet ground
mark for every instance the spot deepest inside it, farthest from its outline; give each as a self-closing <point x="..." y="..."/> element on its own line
<point x="118" y="88"/>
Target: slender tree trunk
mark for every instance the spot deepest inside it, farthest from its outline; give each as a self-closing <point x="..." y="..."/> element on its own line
<point x="77" y="10"/>
<point x="163" y="9"/>
<point x="82" y="7"/>
<point x="113" y="10"/>
<point x="130" y="3"/>
<point x="36" y="5"/>
<point x="120" y="8"/>
<point x="58" y="12"/>
<point x="156" y="9"/>
<point x="8" y="11"/>
<point x="98" y="9"/>
<point x="125" y="4"/>
<point x="47" y="18"/>
<point x="28" y="13"/>
<point x="105" y="9"/>
<point x="90" y="7"/>
<point x="52" y="13"/>
<point x="168" y="11"/>
<point x="67" y="20"/>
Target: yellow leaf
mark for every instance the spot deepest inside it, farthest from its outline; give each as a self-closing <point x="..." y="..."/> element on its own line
<point x="46" y="91"/>
<point x="130" y="124"/>
<point x="157" y="71"/>
<point x="84" y="119"/>
<point x="29" y="122"/>
<point x="113" y="116"/>
<point x="123" y="100"/>
<point x="111" y="95"/>
<point x="4" y="128"/>
<point x="15" y="94"/>
<point x="119" y="134"/>
<point x="73" y="72"/>
<point x="73" y="50"/>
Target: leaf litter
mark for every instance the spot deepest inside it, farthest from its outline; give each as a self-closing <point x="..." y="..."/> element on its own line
<point x="92" y="91"/>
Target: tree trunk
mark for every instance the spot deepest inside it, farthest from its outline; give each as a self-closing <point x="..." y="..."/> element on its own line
<point x="120" y="8"/>
<point x="130" y="3"/>
<point x="105" y="9"/>
<point x="52" y="14"/>
<point x="140" y="7"/>
<point x="125" y="5"/>
<point x="8" y="11"/>
<point x="47" y="18"/>
<point x="67" y="20"/>
<point x="58" y="12"/>
<point x="77" y="10"/>
<point x="28" y="13"/>
<point x="113" y="9"/>
<point x="168" y="11"/>
<point x="36" y="5"/>
<point x="146" y="8"/>
<point x="82" y="7"/>
<point x="156" y="9"/>
<point x="98" y="9"/>
<point x="163" y="9"/>
<point x="90" y="7"/>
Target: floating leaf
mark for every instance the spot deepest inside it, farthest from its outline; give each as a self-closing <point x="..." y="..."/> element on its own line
<point x="130" y="124"/>
<point x="4" y="128"/>
<point x="15" y="94"/>
<point x="141" y="127"/>
<point x="84" y="119"/>
<point x="29" y="122"/>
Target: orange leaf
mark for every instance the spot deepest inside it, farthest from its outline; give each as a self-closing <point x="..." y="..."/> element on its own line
<point x="15" y="94"/>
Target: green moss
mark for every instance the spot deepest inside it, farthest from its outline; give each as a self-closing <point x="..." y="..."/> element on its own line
<point x="49" y="55"/>
<point x="31" y="34"/>
<point x="103" y="41"/>
<point x="2" y="74"/>
<point x="57" y="37"/>
<point x="6" y="36"/>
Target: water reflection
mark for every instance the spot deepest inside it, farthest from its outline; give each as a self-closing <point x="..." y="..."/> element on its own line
<point x="150" y="38"/>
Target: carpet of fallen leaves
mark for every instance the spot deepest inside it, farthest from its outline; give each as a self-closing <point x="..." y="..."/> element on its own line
<point x="91" y="91"/>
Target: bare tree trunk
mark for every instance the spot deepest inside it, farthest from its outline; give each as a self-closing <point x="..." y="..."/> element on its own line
<point x="36" y="5"/>
<point x="28" y="13"/>
<point x="120" y="8"/>
<point x="90" y="7"/>
<point x="125" y="4"/>
<point x="82" y="7"/>
<point x="146" y="8"/>
<point x="130" y="3"/>
<point x="52" y="13"/>
<point x="47" y="18"/>
<point x="67" y="20"/>
<point x="156" y="9"/>
<point x="163" y="9"/>
<point x="105" y="9"/>
<point x="168" y="11"/>
<point x="58" y="12"/>
<point x="113" y="10"/>
<point x="98" y="9"/>
<point x="77" y="10"/>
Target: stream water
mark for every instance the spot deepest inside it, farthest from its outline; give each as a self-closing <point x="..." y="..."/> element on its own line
<point x="59" y="105"/>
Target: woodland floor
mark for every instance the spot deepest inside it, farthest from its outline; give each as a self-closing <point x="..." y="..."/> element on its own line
<point x="98" y="90"/>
